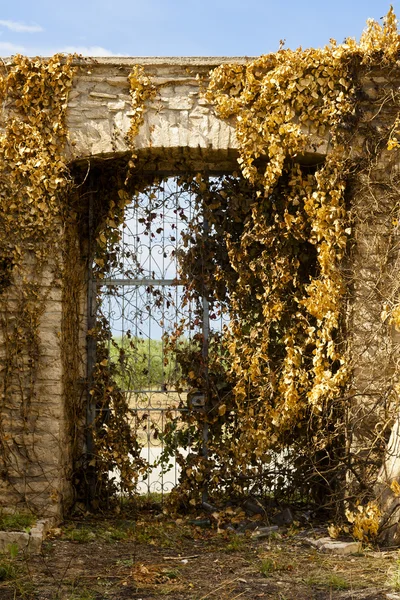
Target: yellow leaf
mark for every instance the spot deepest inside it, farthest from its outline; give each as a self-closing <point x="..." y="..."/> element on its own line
<point x="395" y="487"/>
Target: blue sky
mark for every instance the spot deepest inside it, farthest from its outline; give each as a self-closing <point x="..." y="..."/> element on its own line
<point x="179" y="27"/>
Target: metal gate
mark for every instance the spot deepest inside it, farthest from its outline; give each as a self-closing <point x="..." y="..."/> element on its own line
<point x="144" y="302"/>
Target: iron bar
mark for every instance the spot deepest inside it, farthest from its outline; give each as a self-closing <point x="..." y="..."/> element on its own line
<point x="206" y="336"/>
<point x="91" y="361"/>
<point x="137" y="282"/>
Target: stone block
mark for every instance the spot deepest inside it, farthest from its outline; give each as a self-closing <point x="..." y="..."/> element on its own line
<point x="27" y="542"/>
<point x="103" y="95"/>
<point x="118" y="81"/>
<point x="116" y="106"/>
<point x="336" y="546"/>
<point x="181" y="103"/>
<point x="199" y="111"/>
<point x="264" y="532"/>
<point x="74" y="93"/>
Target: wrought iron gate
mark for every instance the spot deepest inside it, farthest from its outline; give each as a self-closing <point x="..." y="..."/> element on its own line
<point x="144" y="302"/>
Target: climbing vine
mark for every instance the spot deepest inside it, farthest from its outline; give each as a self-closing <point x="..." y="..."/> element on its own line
<point x="274" y="258"/>
<point x="33" y="185"/>
<point x="283" y="269"/>
<point x="294" y="238"/>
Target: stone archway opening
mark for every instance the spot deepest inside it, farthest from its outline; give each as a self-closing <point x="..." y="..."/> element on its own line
<point x="141" y="304"/>
<point x="165" y="428"/>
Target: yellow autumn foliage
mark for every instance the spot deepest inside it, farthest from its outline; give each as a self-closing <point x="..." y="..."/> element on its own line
<point x="283" y="104"/>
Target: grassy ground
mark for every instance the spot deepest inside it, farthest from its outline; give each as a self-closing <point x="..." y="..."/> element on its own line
<point x="150" y="556"/>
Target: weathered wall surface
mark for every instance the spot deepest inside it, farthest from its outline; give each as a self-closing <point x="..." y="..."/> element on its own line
<point x="179" y="126"/>
<point x="99" y="112"/>
<point x="178" y="122"/>
<point x="373" y="290"/>
<point x="35" y="463"/>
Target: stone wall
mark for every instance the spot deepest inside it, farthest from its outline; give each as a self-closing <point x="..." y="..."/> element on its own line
<point x="179" y="129"/>
<point x="36" y="461"/>
<point x="373" y="292"/>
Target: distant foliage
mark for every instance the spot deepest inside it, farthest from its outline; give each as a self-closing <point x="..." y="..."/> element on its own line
<point x="142" y="364"/>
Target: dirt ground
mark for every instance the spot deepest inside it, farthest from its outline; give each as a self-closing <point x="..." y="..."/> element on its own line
<point x="151" y="556"/>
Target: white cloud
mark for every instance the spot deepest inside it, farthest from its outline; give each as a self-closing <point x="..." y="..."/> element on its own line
<point x="6" y="49"/>
<point x="20" y="27"/>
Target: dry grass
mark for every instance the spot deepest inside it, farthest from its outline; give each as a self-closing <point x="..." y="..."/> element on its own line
<point x="312" y="568"/>
<point x="151" y="557"/>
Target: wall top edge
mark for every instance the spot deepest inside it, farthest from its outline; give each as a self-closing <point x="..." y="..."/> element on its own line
<point x="154" y="60"/>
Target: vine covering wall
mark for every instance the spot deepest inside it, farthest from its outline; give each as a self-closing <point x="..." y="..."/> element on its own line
<point x="280" y="257"/>
<point x="33" y="186"/>
<point x="293" y="262"/>
<point x="295" y="357"/>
